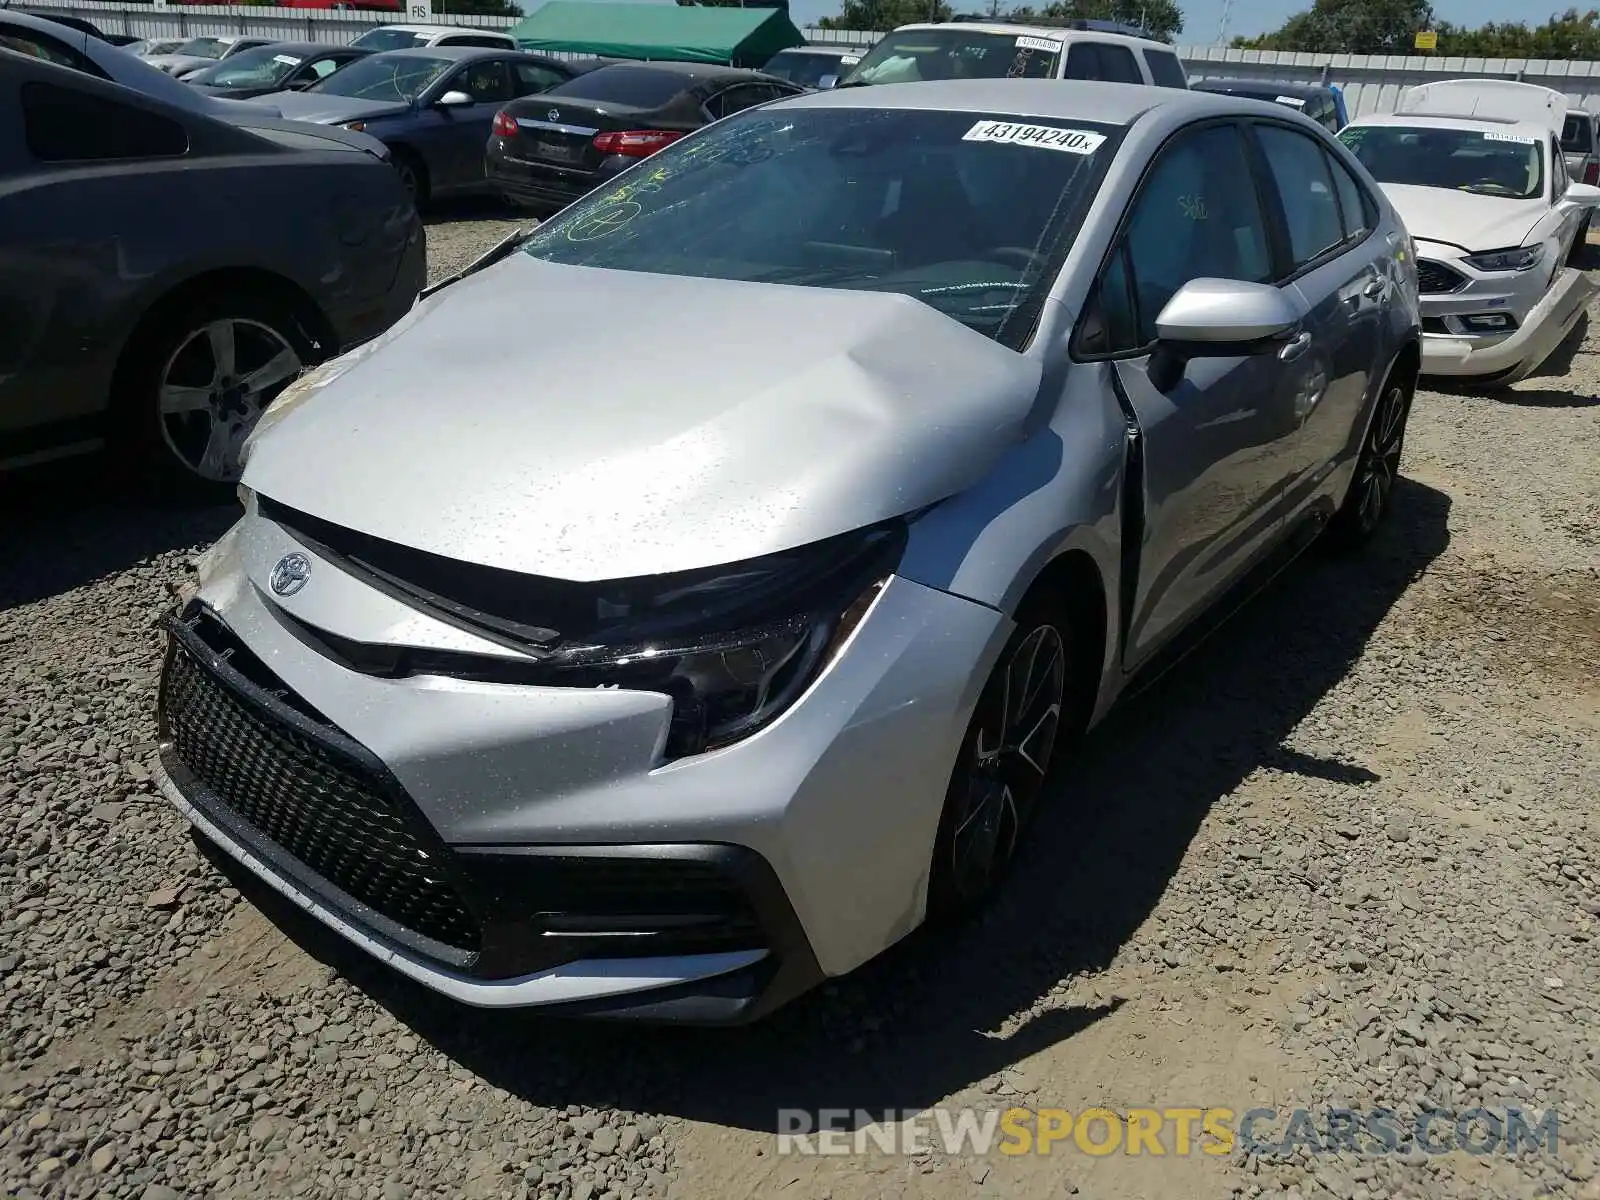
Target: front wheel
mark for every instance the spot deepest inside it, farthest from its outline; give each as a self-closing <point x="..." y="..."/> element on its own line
<point x="1377" y="468"/>
<point x="1021" y="720"/>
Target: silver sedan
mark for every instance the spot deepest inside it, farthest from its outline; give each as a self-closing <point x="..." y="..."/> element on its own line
<point x="693" y="599"/>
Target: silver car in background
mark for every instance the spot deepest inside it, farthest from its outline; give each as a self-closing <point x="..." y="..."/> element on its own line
<point x="667" y="685"/>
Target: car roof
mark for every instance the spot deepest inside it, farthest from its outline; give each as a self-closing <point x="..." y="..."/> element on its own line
<point x="1531" y="129"/>
<point x="689" y="70"/>
<point x="838" y="50"/>
<point x="306" y="48"/>
<point x="1057" y="99"/>
<point x="1059" y="33"/>
<point x="1300" y="91"/>
<point x="431" y="30"/>
<point x="461" y="52"/>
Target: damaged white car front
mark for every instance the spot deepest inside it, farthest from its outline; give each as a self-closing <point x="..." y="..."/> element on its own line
<point x="1475" y="169"/>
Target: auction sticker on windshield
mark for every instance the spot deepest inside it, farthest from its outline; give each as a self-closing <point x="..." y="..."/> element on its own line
<point x="1039" y="43"/>
<point x="1521" y="139"/>
<point x="1045" y="137"/>
<point x="287" y="60"/>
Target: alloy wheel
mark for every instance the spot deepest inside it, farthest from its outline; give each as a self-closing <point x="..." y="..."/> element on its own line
<point x="1380" y="462"/>
<point x="1009" y="760"/>
<point x="215" y="386"/>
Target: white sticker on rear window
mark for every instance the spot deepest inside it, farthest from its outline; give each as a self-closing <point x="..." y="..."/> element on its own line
<point x="287" y="60"/>
<point x="1291" y="100"/>
<point x="1045" y="137"/>
<point x="1039" y="43"/>
<point x="1520" y="139"/>
<point x="849" y="60"/>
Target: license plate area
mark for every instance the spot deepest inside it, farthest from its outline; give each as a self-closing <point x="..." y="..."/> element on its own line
<point x="552" y="150"/>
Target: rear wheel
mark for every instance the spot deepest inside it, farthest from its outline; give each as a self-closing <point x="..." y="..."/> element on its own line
<point x="413" y="176"/>
<point x="1024" y="715"/>
<point x="1377" y="468"/>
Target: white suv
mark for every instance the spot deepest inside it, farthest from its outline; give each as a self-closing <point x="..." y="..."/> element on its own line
<point x="411" y="37"/>
<point x="985" y="50"/>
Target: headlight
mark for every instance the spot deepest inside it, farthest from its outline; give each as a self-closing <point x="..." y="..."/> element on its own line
<point x="733" y="646"/>
<point x="1516" y="258"/>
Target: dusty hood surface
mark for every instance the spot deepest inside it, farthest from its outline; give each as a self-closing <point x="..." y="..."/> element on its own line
<point x="333" y="110"/>
<point x="590" y="424"/>
<point x="1463" y="219"/>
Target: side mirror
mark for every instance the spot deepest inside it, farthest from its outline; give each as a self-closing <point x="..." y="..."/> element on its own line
<point x="827" y="83"/>
<point x="1585" y="194"/>
<point x="453" y="99"/>
<point x="1218" y="318"/>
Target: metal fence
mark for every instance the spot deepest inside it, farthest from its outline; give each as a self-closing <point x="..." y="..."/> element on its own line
<point x="1371" y="83"/>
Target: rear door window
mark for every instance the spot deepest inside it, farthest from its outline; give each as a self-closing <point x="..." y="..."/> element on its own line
<point x="1165" y="69"/>
<point x="62" y="125"/>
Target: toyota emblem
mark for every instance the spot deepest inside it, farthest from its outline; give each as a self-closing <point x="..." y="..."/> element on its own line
<point x="554" y="114"/>
<point x="290" y="574"/>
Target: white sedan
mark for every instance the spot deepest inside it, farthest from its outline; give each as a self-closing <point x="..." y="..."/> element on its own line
<point x="1497" y="223"/>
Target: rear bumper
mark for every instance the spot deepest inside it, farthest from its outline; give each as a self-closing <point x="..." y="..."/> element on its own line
<point x="531" y="183"/>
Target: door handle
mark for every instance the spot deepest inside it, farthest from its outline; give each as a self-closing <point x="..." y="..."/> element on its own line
<point x="1295" y="348"/>
<point x="1375" y="288"/>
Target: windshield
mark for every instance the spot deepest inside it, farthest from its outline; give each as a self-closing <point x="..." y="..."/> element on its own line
<point x="909" y="55"/>
<point x="384" y="77"/>
<point x="807" y="69"/>
<point x="389" y="39"/>
<point x="261" y="67"/>
<point x="969" y="213"/>
<point x="203" y="47"/>
<point x="1485" y="162"/>
<point x="1575" y="135"/>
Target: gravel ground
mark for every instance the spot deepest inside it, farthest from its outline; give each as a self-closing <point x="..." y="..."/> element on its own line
<point x="1347" y="854"/>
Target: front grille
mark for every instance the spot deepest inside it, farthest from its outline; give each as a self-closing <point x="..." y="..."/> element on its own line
<point x="327" y="810"/>
<point x="1434" y="278"/>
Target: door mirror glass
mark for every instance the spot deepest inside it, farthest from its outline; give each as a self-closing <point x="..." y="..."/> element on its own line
<point x="1221" y="317"/>
<point x="453" y="99"/>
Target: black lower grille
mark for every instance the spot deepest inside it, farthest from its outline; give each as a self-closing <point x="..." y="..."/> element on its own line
<point x="1433" y="277"/>
<point x="325" y="809"/>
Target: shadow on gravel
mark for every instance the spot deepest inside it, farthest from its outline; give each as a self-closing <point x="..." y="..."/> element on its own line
<point x="919" y="1023"/>
<point x="70" y="526"/>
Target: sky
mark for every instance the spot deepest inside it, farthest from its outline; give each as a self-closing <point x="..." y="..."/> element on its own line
<point x="1202" y="18"/>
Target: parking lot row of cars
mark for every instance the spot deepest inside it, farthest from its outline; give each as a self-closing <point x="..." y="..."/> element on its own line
<point x="706" y="588"/>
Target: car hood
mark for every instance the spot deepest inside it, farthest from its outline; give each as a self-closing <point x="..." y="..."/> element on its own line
<point x="1472" y="222"/>
<point x="334" y="110"/>
<point x="587" y="424"/>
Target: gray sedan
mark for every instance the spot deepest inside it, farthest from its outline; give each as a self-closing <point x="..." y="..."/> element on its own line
<point x="691" y="601"/>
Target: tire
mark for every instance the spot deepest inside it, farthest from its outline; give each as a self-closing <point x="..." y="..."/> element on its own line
<point x="1008" y="758"/>
<point x="413" y="175"/>
<point x="185" y="417"/>
<point x="1377" y="467"/>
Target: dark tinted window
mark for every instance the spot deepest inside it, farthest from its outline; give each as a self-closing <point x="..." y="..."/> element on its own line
<point x="1083" y="61"/>
<point x="1165" y="69"/>
<point x="1118" y="64"/>
<point x="968" y="213"/>
<point x="68" y="126"/>
<point x="1300" y="169"/>
<point x="1576" y="135"/>
<point x="1197" y="216"/>
<point x="486" y="82"/>
<point x="736" y="99"/>
<point x="527" y="78"/>
<point x="1356" y="208"/>
<point x="476" y="39"/>
<point x="636" y="87"/>
<point x="38" y="45"/>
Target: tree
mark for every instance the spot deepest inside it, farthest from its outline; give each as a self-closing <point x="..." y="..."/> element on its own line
<point x="884" y="15"/>
<point x="1349" y="27"/>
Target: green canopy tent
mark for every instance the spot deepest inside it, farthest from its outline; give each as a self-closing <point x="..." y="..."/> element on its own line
<point x="740" y="37"/>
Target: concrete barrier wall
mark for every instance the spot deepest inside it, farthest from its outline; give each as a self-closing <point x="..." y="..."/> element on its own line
<point x="1371" y="83"/>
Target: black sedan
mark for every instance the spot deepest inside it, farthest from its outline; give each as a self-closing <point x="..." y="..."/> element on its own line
<point x="279" y="67"/>
<point x="432" y="107"/>
<point x="548" y="150"/>
<point x="131" y="319"/>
